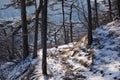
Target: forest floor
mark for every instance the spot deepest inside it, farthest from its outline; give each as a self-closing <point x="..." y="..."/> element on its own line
<point x="71" y="62"/>
<point x="75" y="61"/>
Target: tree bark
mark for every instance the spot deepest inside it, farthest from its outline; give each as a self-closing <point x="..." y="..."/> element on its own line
<point x="118" y="4"/>
<point x="44" y="38"/>
<point x="63" y="12"/>
<point x="89" y="23"/>
<point x="96" y="11"/>
<point x="24" y="29"/>
<point x="71" y="27"/>
<point x="110" y="10"/>
<point x="36" y="28"/>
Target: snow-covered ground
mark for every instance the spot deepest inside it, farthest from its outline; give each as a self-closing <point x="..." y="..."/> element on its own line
<point x="100" y="62"/>
<point x="75" y="61"/>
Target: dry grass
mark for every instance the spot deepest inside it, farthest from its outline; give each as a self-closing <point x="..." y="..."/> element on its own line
<point x="78" y="44"/>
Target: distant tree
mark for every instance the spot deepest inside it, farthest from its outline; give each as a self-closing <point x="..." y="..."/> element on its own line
<point x="71" y="27"/>
<point x="110" y="10"/>
<point x="83" y="10"/>
<point x="24" y="29"/>
<point x="44" y="37"/>
<point x="118" y="7"/>
<point x="89" y="23"/>
<point x="63" y="12"/>
<point x="13" y="40"/>
<point x="36" y="27"/>
<point x="96" y="13"/>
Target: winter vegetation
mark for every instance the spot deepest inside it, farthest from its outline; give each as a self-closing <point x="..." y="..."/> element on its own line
<point x="60" y="40"/>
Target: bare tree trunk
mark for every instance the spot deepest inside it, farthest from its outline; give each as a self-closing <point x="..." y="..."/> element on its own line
<point x="110" y="10"/>
<point x="55" y="38"/>
<point x="13" y="43"/>
<point x="71" y="27"/>
<point x="118" y="4"/>
<point x="96" y="11"/>
<point x="24" y="29"/>
<point x="65" y="39"/>
<point x="44" y="37"/>
<point x="84" y="11"/>
<point x="89" y="23"/>
<point x="36" y="28"/>
<point x="35" y="5"/>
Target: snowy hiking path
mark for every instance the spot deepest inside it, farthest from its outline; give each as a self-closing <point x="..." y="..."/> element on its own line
<point x="106" y="66"/>
<point x="61" y="66"/>
<point x="64" y="66"/>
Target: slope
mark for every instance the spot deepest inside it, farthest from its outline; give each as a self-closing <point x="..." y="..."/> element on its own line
<point x="100" y="62"/>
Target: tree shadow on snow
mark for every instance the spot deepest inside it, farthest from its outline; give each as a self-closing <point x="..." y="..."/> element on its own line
<point x="47" y="77"/>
